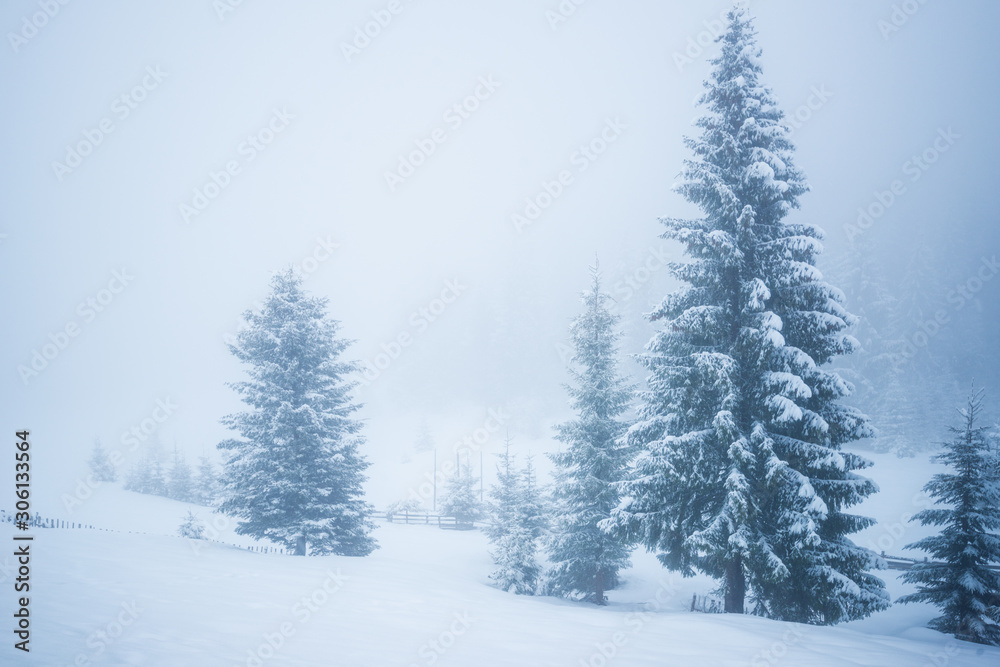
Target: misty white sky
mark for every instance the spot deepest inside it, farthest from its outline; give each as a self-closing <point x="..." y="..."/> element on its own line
<point x="322" y="177"/>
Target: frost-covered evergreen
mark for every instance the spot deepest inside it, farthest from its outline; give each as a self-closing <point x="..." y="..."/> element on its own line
<point x="180" y="487"/>
<point x="294" y="475"/>
<point x="101" y="467"/>
<point x="138" y="476"/>
<point x="192" y="528"/>
<point x="532" y="506"/>
<point x="206" y="484"/>
<point x="586" y="559"/>
<point x="516" y="521"/>
<point x="462" y="497"/>
<point x="961" y="583"/>
<point x="741" y="473"/>
<point x="146" y="474"/>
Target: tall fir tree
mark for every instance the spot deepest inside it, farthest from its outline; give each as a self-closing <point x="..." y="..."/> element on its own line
<point x="964" y="582"/>
<point x="462" y="497"/>
<point x="532" y="506"/>
<point x="180" y="485"/>
<point x="515" y="525"/>
<point x="100" y="464"/>
<point x="295" y="473"/>
<point x="585" y="558"/>
<point x="741" y="473"/>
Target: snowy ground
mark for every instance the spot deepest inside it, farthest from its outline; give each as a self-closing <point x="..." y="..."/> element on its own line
<point x="115" y="598"/>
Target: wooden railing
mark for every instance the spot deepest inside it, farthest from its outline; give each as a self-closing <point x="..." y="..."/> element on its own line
<point x="427" y="519"/>
<point x="38" y="521"/>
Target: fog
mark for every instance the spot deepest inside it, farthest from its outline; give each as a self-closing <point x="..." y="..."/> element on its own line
<point x="166" y="98"/>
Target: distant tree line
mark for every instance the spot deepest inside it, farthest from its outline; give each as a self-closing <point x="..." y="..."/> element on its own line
<point x="154" y="474"/>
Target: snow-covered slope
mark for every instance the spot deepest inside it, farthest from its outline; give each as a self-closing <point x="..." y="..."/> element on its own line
<point x="115" y="598"/>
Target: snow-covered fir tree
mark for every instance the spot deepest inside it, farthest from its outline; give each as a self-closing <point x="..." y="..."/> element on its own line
<point x="137" y="478"/>
<point x="532" y="505"/>
<point x="741" y="474"/>
<point x="961" y="583"/>
<point x="192" y="527"/>
<point x="461" y="498"/>
<point x="294" y="474"/>
<point x="515" y="525"/>
<point x="206" y="483"/>
<point x="146" y="474"/>
<point x="180" y="485"/>
<point x="100" y="464"/>
<point x="585" y="558"/>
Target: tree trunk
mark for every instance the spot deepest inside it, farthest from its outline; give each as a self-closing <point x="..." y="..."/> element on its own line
<point x="300" y="546"/>
<point x="599" y="592"/>
<point x="736" y="587"/>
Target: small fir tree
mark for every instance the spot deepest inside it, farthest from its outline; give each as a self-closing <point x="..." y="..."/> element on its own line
<point x="100" y="464"/>
<point x="964" y="582"/>
<point x="585" y="558"/>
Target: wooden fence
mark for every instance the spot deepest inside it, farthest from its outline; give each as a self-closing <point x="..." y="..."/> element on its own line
<point x="901" y="563"/>
<point x="427" y="519"/>
<point x="38" y="521"/>
<point x="706" y="604"/>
